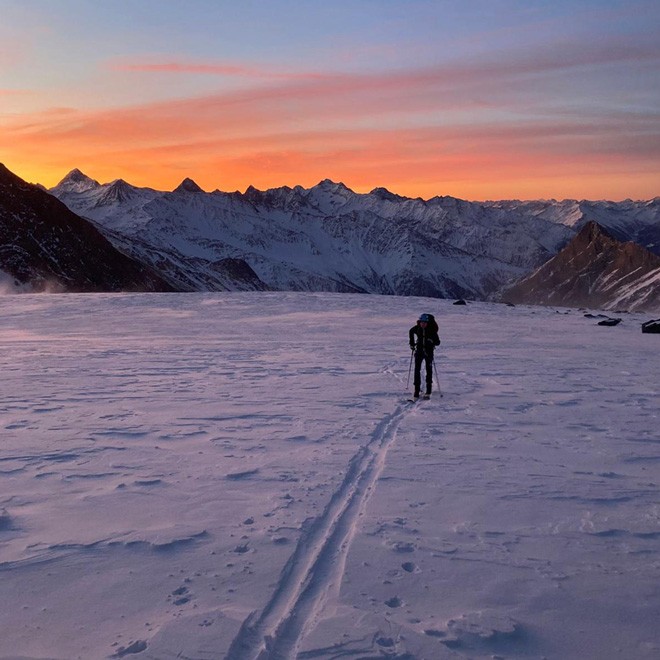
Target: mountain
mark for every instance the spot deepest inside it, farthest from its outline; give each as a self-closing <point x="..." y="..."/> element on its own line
<point x="594" y="270"/>
<point x="76" y="182"/>
<point x="323" y="238"/>
<point x="45" y="246"/>
<point x="629" y="220"/>
<point x="117" y="192"/>
<point x="188" y="185"/>
<point x="330" y="238"/>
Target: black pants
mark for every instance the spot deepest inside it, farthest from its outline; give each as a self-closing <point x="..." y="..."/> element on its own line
<point x="419" y="358"/>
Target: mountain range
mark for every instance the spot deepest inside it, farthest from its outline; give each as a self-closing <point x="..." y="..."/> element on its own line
<point x="330" y="238"/>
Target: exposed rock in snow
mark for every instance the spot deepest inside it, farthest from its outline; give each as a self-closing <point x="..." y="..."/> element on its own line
<point x="652" y="326"/>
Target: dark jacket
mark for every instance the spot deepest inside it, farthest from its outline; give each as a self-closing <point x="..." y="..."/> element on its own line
<point x="423" y="340"/>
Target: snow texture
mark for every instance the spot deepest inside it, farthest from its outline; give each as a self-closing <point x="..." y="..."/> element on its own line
<point x="238" y="475"/>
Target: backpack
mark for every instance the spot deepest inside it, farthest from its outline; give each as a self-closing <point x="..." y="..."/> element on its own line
<point x="433" y="324"/>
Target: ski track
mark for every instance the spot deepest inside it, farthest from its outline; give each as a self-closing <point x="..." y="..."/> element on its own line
<point x="315" y="569"/>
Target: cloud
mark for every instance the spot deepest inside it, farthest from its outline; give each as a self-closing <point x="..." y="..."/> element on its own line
<point x="517" y="69"/>
<point x="15" y="92"/>
<point x="225" y="69"/>
<point x="478" y="121"/>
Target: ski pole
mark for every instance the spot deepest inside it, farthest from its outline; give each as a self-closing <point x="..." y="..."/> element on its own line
<point x="409" y="368"/>
<point x="437" y="380"/>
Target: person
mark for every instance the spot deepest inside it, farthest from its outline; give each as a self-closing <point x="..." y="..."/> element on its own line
<point x="423" y="340"/>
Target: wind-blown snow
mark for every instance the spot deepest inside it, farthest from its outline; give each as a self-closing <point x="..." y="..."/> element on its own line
<point x="9" y="285"/>
<point x="237" y="476"/>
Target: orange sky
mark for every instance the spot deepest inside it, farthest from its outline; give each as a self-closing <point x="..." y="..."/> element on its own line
<point x="513" y="118"/>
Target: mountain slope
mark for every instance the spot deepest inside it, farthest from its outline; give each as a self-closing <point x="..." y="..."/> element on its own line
<point x="323" y="238"/>
<point x="637" y="221"/>
<point x="43" y="245"/>
<point x="596" y="270"/>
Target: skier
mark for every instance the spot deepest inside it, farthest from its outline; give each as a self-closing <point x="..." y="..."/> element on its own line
<point x="423" y="340"/>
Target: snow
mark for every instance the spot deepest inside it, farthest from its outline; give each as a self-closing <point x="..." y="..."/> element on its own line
<point x="188" y="475"/>
<point x="639" y="291"/>
<point x="8" y="284"/>
<point x="306" y="239"/>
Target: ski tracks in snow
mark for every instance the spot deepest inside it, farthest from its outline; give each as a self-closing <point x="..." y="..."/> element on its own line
<point x="314" y="572"/>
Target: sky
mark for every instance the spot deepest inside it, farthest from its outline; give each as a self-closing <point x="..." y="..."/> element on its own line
<point x="479" y="99"/>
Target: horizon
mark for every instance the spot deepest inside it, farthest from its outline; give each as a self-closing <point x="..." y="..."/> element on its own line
<point x="318" y="183"/>
<point x="482" y="102"/>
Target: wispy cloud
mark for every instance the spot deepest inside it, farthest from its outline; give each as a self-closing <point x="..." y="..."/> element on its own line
<point x="417" y="130"/>
<point x="225" y="69"/>
<point x="515" y="63"/>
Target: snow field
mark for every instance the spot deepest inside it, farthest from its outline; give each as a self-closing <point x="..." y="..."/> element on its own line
<point x="236" y="475"/>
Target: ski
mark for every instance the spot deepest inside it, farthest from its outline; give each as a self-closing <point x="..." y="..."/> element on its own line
<point x="424" y="397"/>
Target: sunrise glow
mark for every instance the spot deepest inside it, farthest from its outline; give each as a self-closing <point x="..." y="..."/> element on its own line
<point x="422" y="98"/>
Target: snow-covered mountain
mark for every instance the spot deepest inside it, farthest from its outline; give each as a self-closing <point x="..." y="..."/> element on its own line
<point x="637" y="221"/>
<point x="330" y="238"/>
<point x="597" y="270"/>
<point x="323" y="238"/>
<point x="45" y="246"/>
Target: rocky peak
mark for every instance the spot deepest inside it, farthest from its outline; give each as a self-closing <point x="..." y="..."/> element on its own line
<point x="281" y="197"/>
<point x="595" y="269"/>
<point x="386" y="195"/>
<point x="327" y="185"/>
<point x="116" y="192"/>
<point x="76" y="181"/>
<point x="189" y="186"/>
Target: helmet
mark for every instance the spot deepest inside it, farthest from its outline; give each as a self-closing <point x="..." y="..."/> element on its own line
<point x="424" y="317"/>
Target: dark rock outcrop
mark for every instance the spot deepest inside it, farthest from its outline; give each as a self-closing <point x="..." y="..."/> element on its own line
<point x="651" y="327"/>
<point x="238" y="270"/>
<point x="45" y="246"/>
